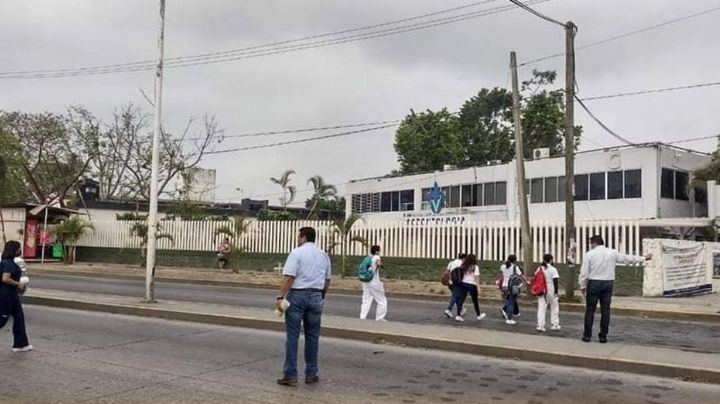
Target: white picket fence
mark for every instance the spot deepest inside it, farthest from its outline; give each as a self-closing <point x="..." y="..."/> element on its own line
<point x="492" y="241"/>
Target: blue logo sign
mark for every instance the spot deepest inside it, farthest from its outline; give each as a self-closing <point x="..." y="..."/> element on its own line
<point x="437" y="198"/>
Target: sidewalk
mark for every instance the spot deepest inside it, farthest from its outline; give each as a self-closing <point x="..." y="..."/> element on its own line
<point x="699" y="308"/>
<point x="661" y="362"/>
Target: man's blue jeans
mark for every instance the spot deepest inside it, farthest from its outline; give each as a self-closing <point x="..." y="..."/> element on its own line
<point x="305" y="307"/>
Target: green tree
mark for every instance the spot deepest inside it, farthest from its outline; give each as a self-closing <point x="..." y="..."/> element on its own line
<point x="486" y="127"/>
<point x="335" y="204"/>
<point x="140" y="229"/>
<point x="267" y="215"/>
<point x="69" y="232"/>
<point x="429" y="140"/>
<point x="708" y="172"/>
<point x="322" y="191"/>
<point x="341" y="229"/>
<point x="240" y="226"/>
<point x="289" y="191"/>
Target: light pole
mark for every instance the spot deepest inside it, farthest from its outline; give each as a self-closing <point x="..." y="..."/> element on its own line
<point x="155" y="167"/>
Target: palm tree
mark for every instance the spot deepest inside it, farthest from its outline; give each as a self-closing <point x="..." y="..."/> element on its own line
<point x="289" y="191"/>
<point x="69" y="232"/>
<point x="239" y="227"/>
<point x="322" y="191"/>
<point x="140" y="229"/>
<point x="341" y="230"/>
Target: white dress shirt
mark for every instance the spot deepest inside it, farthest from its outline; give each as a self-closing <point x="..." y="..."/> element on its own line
<point x="599" y="264"/>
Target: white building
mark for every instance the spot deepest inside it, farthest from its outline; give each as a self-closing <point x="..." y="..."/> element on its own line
<point x="647" y="181"/>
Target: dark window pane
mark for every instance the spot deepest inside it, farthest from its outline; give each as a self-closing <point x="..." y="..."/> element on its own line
<point x="500" y="193"/>
<point x="467" y="195"/>
<point x="407" y="199"/>
<point x="561" y="189"/>
<point x="386" y="202"/>
<point x="355" y="203"/>
<point x="375" y="198"/>
<point x="425" y="194"/>
<point x="477" y="195"/>
<point x="597" y="186"/>
<point x="454" y="197"/>
<point x="536" y="190"/>
<point x="489" y="194"/>
<point x="700" y="195"/>
<point x="633" y="184"/>
<point x="582" y="193"/>
<point x="551" y="189"/>
<point x="615" y="185"/>
<point x="667" y="183"/>
<point x="681" y="184"/>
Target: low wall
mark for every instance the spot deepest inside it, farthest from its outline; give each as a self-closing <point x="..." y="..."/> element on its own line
<point x="656" y="282"/>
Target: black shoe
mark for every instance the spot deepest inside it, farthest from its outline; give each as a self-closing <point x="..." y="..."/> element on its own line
<point x="585" y="339"/>
<point x="312" y="380"/>
<point x="286" y="381"/>
<point x="603" y="339"/>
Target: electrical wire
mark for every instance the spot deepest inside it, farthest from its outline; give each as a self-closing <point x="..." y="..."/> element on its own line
<point x="624" y="35"/>
<point x="652" y="91"/>
<point x="694" y="139"/>
<point x="531" y="10"/>
<point x="602" y="125"/>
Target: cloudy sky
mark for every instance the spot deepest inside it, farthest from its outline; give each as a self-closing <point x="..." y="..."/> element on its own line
<point x="363" y="81"/>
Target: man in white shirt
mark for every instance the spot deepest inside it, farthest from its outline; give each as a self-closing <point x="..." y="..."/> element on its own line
<point x="596" y="282"/>
<point x="452" y="265"/>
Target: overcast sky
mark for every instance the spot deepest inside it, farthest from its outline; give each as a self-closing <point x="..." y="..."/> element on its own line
<point x="371" y="80"/>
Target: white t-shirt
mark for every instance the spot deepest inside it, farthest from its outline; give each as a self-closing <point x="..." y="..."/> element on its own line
<point x="454" y="264"/>
<point x="374" y="266"/>
<point x="550" y="273"/>
<point x="469" y="276"/>
<point x="507" y="273"/>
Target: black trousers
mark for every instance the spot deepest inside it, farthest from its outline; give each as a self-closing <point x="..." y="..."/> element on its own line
<point x="11" y="307"/>
<point x="598" y="291"/>
<point x="461" y="293"/>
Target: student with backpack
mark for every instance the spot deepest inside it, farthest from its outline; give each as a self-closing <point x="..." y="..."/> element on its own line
<point x="452" y="265"/>
<point x="466" y="279"/>
<point x="373" y="289"/>
<point x="511" y="286"/>
<point x="545" y="285"/>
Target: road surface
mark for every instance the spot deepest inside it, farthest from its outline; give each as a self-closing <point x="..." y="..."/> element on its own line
<point x="102" y="358"/>
<point x="695" y="336"/>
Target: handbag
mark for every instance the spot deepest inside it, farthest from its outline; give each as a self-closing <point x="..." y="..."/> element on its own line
<point x="445" y="280"/>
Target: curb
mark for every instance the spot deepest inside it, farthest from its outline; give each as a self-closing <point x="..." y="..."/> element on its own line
<point x="611" y="363"/>
<point x="567" y="307"/>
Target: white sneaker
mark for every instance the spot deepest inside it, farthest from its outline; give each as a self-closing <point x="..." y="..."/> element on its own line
<point x="540" y="329"/>
<point x="510" y="322"/>
<point x="516" y="315"/>
<point x="23" y="349"/>
<point x="556" y="327"/>
<point x="463" y="311"/>
<point x="459" y="319"/>
<point x="381" y="320"/>
<point x="504" y="314"/>
<point x="448" y="314"/>
<point x="481" y="316"/>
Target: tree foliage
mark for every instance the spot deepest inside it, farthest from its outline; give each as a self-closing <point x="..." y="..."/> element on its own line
<point x="289" y="191"/>
<point x="486" y="127"/>
<point x="69" y="232"/>
<point x="322" y="192"/>
<point x="428" y="140"/>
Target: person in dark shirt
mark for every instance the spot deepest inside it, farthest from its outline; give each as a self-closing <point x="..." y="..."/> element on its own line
<point x="10" y="291"/>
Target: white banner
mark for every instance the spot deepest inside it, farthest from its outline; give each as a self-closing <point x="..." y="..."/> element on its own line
<point x="684" y="270"/>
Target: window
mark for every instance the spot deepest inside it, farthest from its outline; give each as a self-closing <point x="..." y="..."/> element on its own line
<point x="561" y="189"/>
<point x="597" y="186"/>
<point x="633" y="184"/>
<point x="551" y="189"/>
<point x="536" y="190"/>
<point x="453" y="197"/>
<point x="582" y="192"/>
<point x="489" y="194"/>
<point x="681" y="184"/>
<point x="500" y="193"/>
<point x="667" y="183"/>
<point x="386" y="202"/>
<point x="407" y="200"/>
<point x="615" y="185"/>
<point x="477" y="195"/>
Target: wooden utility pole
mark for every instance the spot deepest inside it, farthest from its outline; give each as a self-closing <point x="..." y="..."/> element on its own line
<point x="527" y="246"/>
<point x="570" y="242"/>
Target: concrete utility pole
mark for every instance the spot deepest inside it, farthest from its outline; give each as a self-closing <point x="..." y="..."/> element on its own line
<point x="155" y="168"/>
<point x="570" y="242"/>
<point x="527" y="246"/>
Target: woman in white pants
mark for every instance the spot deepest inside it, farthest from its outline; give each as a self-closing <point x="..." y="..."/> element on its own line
<point x="551" y="297"/>
<point x="374" y="290"/>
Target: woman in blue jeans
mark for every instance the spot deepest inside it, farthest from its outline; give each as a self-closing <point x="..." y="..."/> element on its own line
<point x="10" y="291"/>
<point x="510" y="270"/>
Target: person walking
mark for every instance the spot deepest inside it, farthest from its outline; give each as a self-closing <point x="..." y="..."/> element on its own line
<point x="223" y="253"/>
<point x="469" y="281"/>
<point x="10" y="290"/>
<point x="452" y="265"/>
<point x="374" y="289"/>
<point x="306" y="279"/>
<point x="512" y="279"/>
<point x="597" y="276"/>
<point x="551" y="297"/>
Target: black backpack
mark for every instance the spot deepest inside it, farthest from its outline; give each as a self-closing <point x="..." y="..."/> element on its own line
<point x="515" y="282"/>
<point x="457" y="276"/>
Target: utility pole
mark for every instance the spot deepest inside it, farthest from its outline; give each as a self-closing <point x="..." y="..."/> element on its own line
<point x="570" y="242"/>
<point x="527" y="245"/>
<point x="153" y="211"/>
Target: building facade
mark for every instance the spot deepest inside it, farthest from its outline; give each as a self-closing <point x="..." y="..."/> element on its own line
<point x="646" y="181"/>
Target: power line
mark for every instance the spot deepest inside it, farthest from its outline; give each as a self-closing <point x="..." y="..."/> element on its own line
<point x="602" y="125"/>
<point x="624" y="35"/>
<point x="695" y="139"/>
<point x="264" y="50"/>
<point x="651" y="91"/>
<point x="536" y="13"/>
<point x="268" y="145"/>
<point x="282" y="132"/>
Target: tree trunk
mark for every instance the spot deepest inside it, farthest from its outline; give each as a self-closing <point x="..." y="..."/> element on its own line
<point x="2" y="225"/>
<point x="343" y="259"/>
<point x="314" y="206"/>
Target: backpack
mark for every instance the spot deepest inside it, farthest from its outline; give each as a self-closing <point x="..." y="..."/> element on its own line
<point x="364" y="273"/>
<point x="457" y="275"/>
<point x="514" y="285"/>
<point x="538" y="287"/>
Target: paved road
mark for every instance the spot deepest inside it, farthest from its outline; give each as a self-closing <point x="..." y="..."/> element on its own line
<point x="102" y="358"/>
<point x="677" y="334"/>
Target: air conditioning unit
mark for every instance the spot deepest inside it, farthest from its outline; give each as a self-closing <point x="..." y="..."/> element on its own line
<point x="541" y="153"/>
<point x="494" y="162"/>
<point x="448" y="167"/>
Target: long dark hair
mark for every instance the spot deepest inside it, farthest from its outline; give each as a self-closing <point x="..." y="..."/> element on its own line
<point x="511" y="259"/>
<point x="12" y="250"/>
<point x="469" y="263"/>
<point x="547" y="259"/>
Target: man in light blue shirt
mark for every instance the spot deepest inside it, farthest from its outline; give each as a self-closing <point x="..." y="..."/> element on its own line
<point x="306" y="278"/>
